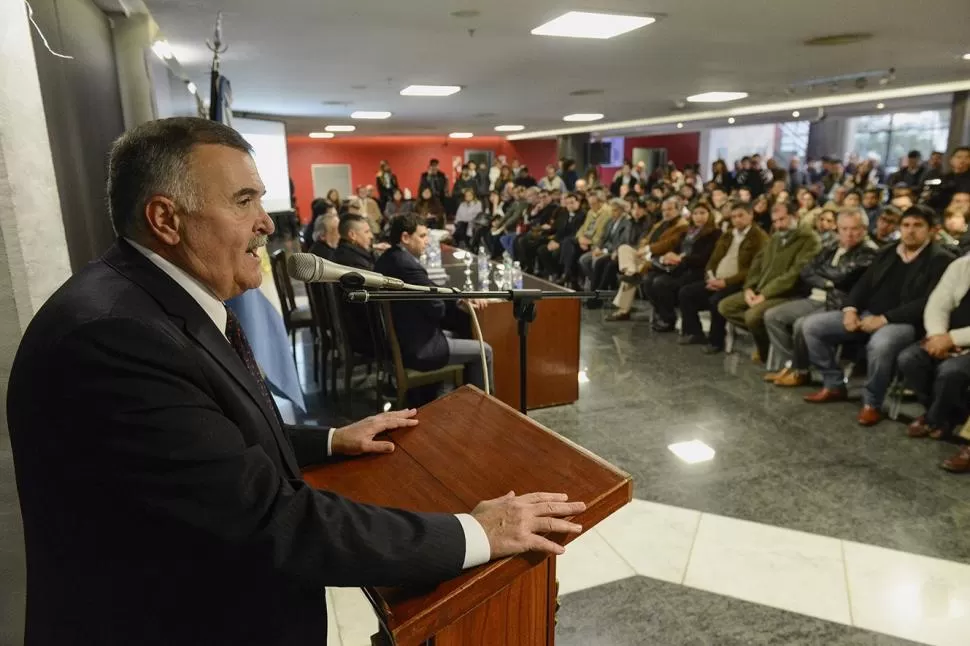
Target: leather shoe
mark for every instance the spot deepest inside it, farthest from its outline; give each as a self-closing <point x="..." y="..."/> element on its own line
<point x="793" y="379"/>
<point x="869" y="416"/>
<point x="918" y="427"/>
<point x="692" y="339"/>
<point x="827" y="395"/>
<point x="618" y="316"/>
<point x="712" y="349"/>
<point x="959" y="463"/>
<point x="771" y="377"/>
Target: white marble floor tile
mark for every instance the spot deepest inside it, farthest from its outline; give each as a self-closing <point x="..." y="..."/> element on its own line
<point x="769" y="565"/>
<point x="654" y="539"/>
<point x="333" y="630"/>
<point x="909" y="596"/>
<point x="356" y="620"/>
<point x="589" y="561"/>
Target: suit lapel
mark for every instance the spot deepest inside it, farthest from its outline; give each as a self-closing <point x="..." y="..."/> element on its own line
<point x="197" y="324"/>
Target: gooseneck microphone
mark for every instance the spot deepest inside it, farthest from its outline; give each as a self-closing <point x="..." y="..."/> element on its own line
<point x="310" y="268"/>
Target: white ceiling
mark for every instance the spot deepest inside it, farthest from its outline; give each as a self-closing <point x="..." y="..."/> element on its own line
<point x="289" y="57"/>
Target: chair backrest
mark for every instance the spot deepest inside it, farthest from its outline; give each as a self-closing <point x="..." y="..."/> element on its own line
<point x="322" y="315"/>
<point x="284" y="288"/>
<point x="338" y="319"/>
<point x="400" y="373"/>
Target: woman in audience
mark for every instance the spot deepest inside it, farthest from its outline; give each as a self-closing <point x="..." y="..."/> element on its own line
<point x="826" y="226"/>
<point x="333" y="199"/>
<point x="397" y="205"/>
<point x="682" y="266"/>
<point x="954" y="232"/>
<point x="493" y="214"/>
<point x="762" y="212"/>
<point x="468" y="212"/>
<point x="505" y="178"/>
<point x="808" y="208"/>
<point x="430" y="208"/>
<point x="592" y="178"/>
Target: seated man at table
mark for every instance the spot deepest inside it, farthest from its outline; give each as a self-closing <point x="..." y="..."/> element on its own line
<point x="773" y="275"/>
<point x="938" y="367"/>
<point x="424" y="344"/>
<point x="884" y="310"/>
<point x="828" y="278"/>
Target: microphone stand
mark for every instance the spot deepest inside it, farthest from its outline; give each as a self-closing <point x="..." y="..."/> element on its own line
<point x="523" y="309"/>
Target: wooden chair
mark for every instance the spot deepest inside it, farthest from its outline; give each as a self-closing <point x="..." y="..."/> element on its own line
<point x="294" y="318"/>
<point x="349" y="358"/>
<point x="406" y="378"/>
<point x="325" y="344"/>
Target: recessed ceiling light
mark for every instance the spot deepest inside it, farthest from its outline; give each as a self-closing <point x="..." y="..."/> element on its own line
<point x="680" y="125"/>
<point x="369" y="114"/>
<point x="466" y="13"/>
<point x="583" y="116"/>
<point x="796" y="114"/>
<point x="966" y="56"/>
<point x="716" y="97"/>
<point x="584" y="24"/>
<point x="191" y="87"/>
<point x="880" y="105"/>
<point x="509" y="128"/>
<point x="322" y="135"/>
<point x="692" y="452"/>
<point x="730" y="119"/>
<point x="430" y="90"/>
<point x="162" y="49"/>
<point x="340" y="128"/>
<point x="461" y="135"/>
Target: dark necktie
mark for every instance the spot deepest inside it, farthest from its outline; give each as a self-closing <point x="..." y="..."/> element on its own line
<point x="237" y="339"/>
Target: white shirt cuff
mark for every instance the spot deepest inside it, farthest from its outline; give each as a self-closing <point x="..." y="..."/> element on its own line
<point x="330" y="441"/>
<point x="477" y="549"/>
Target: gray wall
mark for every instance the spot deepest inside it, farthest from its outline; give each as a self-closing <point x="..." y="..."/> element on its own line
<point x="83" y="111"/>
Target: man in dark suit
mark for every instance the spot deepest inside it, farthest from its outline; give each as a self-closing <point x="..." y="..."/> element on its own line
<point x="354" y="250"/>
<point x="161" y="496"/>
<point x="326" y="235"/>
<point x="420" y="325"/>
<point x="557" y="257"/>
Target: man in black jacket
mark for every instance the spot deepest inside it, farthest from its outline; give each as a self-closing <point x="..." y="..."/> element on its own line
<point x="434" y="179"/>
<point x="828" y="278"/>
<point x="420" y="325"/>
<point x="326" y="235"/>
<point x="912" y="173"/>
<point x="955" y="181"/>
<point x="354" y="250"/>
<point x="162" y="499"/>
<point x="884" y="309"/>
<point x="567" y="223"/>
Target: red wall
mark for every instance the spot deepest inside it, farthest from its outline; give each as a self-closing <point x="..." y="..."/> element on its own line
<point x="408" y="157"/>
<point x="681" y="149"/>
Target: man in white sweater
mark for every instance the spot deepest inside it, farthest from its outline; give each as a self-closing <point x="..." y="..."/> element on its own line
<point x="938" y="367"/>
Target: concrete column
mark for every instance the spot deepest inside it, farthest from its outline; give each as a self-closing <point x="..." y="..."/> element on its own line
<point x="33" y="263"/>
<point x="133" y="36"/>
<point x="959" y="121"/>
<point x="828" y="137"/>
<point x="575" y="147"/>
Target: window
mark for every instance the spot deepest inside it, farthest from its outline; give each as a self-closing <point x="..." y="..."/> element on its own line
<point x="891" y="136"/>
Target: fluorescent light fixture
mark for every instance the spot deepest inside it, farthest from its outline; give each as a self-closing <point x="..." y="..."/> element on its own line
<point x="191" y="87"/>
<point x="340" y="128"/>
<point x="880" y="105"/>
<point x="585" y="24"/>
<point x="461" y="135"/>
<point x="162" y="49"/>
<point x="680" y="125"/>
<point x="583" y="116"/>
<point x="430" y="90"/>
<point x="369" y="114"/>
<point x="322" y="135"/>
<point x="796" y="113"/>
<point x="509" y="128"/>
<point x="716" y="97"/>
<point x="692" y="452"/>
<point x="731" y="120"/>
<point x="966" y="56"/>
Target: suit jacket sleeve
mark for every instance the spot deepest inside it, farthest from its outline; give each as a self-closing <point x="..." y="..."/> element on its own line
<point x="434" y="310"/>
<point x="167" y="447"/>
<point x="754" y="272"/>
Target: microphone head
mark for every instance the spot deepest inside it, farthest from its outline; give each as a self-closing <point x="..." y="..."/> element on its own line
<point x="302" y="266"/>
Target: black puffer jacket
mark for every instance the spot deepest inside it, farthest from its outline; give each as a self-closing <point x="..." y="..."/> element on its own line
<point x="837" y="281"/>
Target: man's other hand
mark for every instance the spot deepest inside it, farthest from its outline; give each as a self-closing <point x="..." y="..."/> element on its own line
<point x="358" y="438"/>
<point x="513" y="523"/>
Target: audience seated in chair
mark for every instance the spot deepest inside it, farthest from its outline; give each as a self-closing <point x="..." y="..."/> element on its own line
<point x="589" y="235"/>
<point x="534" y="229"/>
<point x="553" y="257"/>
<point x="370" y="209"/>
<point x="504" y="232"/>
<point x="726" y="272"/>
<point x="596" y="262"/>
<point x="355" y="250"/>
<point x="634" y="262"/>
<point x="773" y="276"/>
<point x="826" y="280"/>
<point x="420" y="325"/>
<point x="326" y="235"/>
<point x="465" y="218"/>
<point x="884" y="310"/>
<point x="937" y="368"/>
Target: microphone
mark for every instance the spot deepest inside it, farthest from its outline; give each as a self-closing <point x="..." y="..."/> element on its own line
<point x="310" y="268"/>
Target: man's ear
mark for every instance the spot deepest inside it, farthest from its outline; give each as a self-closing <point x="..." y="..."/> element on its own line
<point x="162" y="220"/>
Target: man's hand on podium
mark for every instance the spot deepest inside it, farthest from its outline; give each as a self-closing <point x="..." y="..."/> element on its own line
<point x="513" y="523"/>
<point x="358" y="438"/>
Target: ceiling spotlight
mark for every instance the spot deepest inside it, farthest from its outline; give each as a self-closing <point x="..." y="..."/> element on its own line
<point x="340" y="128"/>
<point x="583" y="116"/>
<point x="191" y="87"/>
<point x="880" y="105"/>
<point x="430" y="90"/>
<point x="680" y="125"/>
<point x="584" y="24"/>
<point x="861" y="83"/>
<point x="162" y="49"/>
<point x="461" y="135"/>
<point x="321" y="135"/>
<point x="731" y="120"/>
<point x="509" y="128"/>
<point x="368" y="114"/>
<point x="796" y="114"/>
<point x="716" y="97"/>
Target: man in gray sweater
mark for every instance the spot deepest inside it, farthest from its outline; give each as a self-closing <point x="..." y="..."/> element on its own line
<point x="938" y="367"/>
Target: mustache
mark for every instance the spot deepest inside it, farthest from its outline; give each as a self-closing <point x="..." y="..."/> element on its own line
<point x="257" y="242"/>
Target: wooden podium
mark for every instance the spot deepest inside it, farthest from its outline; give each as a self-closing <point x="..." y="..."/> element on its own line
<point x="467" y="448"/>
